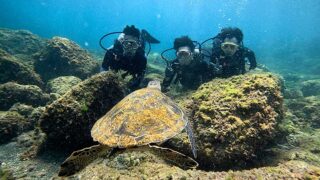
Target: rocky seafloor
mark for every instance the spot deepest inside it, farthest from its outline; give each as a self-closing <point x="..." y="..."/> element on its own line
<point x="259" y="125"/>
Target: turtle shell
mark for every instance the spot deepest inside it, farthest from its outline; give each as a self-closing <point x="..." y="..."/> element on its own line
<point x="143" y="117"/>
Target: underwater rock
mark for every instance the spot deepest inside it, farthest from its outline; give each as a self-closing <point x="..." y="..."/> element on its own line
<point x="132" y="164"/>
<point x="23" y="109"/>
<point x="32" y="142"/>
<point x="299" y="145"/>
<point x="35" y="115"/>
<point x="62" y="84"/>
<point x="67" y="121"/>
<point x="62" y="57"/>
<point x="13" y="70"/>
<point x="292" y="94"/>
<point x="11" y="125"/>
<point x="311" y="88"/>
<point x="11" y="93"/>
<point x="233" y="119"/>
<point x="20" y="42"/>
<point x="306" y="110"/>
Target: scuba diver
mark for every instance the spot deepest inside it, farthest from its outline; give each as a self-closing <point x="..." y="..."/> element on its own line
<point x="229" y="55"/>
<point x="128" y="54"/>
<point x="188" y="68"/>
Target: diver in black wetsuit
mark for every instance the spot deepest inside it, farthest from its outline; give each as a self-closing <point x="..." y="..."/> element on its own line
<point x="128" y="54"/>
<point x="229" y="54"/>
<point x="188" y="68"/>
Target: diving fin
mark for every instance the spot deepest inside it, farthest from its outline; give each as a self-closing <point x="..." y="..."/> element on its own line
<point x="147" y="37"/>
<point x="81" y="158"/>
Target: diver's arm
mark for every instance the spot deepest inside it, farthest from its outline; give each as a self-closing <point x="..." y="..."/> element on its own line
<point x="214" y="66"/>
<point x="140" y="71"/>
<point x="207" y="72"/>
<point x="251" y="57"/>
<point x="215" y="55"/>
<point x="135" y="82"/>
<point x="106" y="60"/>
<point x="168" y="77"/>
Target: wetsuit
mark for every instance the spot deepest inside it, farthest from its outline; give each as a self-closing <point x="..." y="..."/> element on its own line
<point x="135" y="66"/>
<point x="233" y="65"/>
<point x="190" y="76"/>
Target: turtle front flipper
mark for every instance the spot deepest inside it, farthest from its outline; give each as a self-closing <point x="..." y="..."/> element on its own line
<point x="81" y="158"/>
<point x="175" y="157"/>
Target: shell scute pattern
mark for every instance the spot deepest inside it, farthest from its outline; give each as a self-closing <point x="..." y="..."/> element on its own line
<point x="143" y="117"/>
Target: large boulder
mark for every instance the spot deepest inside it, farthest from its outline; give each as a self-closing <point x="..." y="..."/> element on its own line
<point x="13" y="70"/>
<point x="20" y="42"/>
<point x="62" y="57"/>
<point x="11" y="125"/>
<point x="233" y="119"/>
<point x="67" y="121"/>
<point x="62" y="84"/>
<point x="11" y="93"/>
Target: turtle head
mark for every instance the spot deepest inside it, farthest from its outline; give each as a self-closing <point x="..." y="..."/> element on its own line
<point x="154" y="84"/>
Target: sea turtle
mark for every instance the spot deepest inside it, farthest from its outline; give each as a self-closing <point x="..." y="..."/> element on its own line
<point x="144" y="117"/>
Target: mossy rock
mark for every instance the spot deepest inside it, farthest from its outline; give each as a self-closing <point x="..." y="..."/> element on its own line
<point x="11" y="125"/>
<point x="61" y="85"/>
<point x="233" y="119"/>
<point x="311" y="88"/>
<point x="35" y="115"/>
<point x="20" y="42"/>
<point x="306" y="110"/>
<point x="13" y="70"/>
<point x="11" y="93"/>
<point x="62" y="57"/>
<point x="23" y="109"/>
<point x="67" y="121"/>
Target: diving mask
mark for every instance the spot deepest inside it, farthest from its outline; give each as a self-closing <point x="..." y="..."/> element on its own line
<point x="130" y="45"/>
<point x="230" y="46"/>
<point x="184" y="55"/>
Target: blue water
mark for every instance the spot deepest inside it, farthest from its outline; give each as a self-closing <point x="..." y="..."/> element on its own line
<point x="269" y="25"/>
